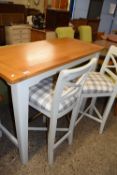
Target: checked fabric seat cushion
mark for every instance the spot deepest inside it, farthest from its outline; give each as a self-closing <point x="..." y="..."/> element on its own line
<point x="41" y="95"/>
<point x="98" y="83"/>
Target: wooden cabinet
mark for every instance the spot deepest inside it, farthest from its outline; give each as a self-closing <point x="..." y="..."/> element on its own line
<point x="10" y="13"/>
<point x="94" y="23"/>
<point x="62" y="4"/>
<point x="2" y="35"/>
<point x="17" y="34"/>
<point x="56" y="18"/>
<point x="37" y="35"/>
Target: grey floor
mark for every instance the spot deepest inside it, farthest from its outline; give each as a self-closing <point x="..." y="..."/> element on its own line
<point x="90" y="153"/>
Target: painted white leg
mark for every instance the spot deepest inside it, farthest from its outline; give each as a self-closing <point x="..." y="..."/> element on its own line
<point x="93" y="102"/>
<point x="83" y="104"/>
<point x="74" y="115"/>
<point x="0" y="131"/>
<point x="51" y="139"/>
<point x="71" y="128"/>
<point x="20" y="98"/>
<point x="106" y="113"/>
<point x="44" y="119"/>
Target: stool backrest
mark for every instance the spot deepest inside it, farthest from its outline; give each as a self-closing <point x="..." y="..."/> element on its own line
<point x="85" y="33"/>
<point x="109" y="65"/>
<point x="64" y="32"/>
<point x="69" y="84"/>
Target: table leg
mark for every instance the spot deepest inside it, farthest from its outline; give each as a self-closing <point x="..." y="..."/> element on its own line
<point x="20" y="98"/>
<point x="0" y="131"/>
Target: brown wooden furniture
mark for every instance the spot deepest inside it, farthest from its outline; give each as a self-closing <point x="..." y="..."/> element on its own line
<point x="114" y="31"/>
<point x="110" y="37"/>
<point x="105" y="43"/>
<point x="37" y="35"/>
<point x="56" y="18"/>
<point x="94" y="23"/>
<point x="99" y="35"/>
<point x="31" y="11"/>
<point x="10" y="14"/>
<point x="2" y="35"/>
<point x="62" y="4"/>
<point x="55" y="4"/>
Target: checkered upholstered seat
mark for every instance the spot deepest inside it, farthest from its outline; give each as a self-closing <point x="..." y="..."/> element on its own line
<point x="98" y="83"/>
<point x="42" y="93"/>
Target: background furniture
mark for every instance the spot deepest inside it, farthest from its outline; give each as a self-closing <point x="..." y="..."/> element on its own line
<point x="64" y="32"/>
<point x="10" y="14"/>
<point x="13" y="14"/>
<point x="62" y="4"/>
<point x="37" y="35"/>
<point x="105" y="43"/>
<point x="85" y="33"/>
<point x="56" y="18"/>
<point x="31" y="11"/>
<point x="18" y="34"/>
<point x="2" y="35"/>
<point x="94" y="23"/>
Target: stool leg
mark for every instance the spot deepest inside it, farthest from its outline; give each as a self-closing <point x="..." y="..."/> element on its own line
<point x="115" y="107"/>
<point x="74" y="116"/>
<point x="84" y="101"/>
<point x="0" y="131"/>
<point x="72" y="124"/>
<point x="106" y="112"/>
<point x="44" y="119"/>
<point x="93" y="102"/>
<point x="51" y="138"/>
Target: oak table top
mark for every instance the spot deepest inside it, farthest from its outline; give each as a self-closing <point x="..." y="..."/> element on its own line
<point x="22" y="61"/>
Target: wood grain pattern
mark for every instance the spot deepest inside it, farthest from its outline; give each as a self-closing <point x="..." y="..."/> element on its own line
<point x="21" y="61"/>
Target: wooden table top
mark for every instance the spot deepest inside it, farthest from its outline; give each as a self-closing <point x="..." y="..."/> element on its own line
<point x="21" y="61"/>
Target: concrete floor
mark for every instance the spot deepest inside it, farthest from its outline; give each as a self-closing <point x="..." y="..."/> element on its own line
<point x="90" y="153"/>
